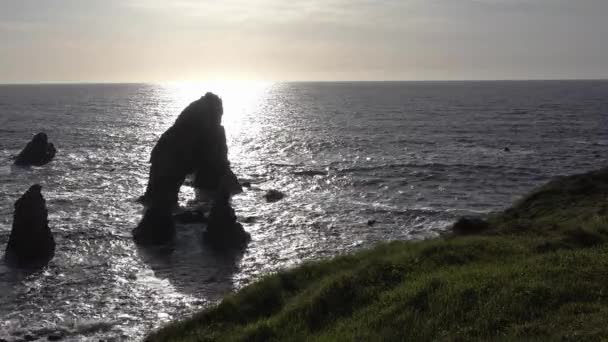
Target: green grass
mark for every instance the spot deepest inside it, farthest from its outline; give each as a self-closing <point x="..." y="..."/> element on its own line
<point x="540" y="272"/>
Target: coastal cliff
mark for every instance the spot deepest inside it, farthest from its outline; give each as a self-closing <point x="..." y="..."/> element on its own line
<point x="537" y="271"/>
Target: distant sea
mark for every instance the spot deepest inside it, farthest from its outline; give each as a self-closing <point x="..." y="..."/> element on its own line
<point x="413" y="156"/>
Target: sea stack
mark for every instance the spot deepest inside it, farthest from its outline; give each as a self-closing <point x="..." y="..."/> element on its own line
<point x="195" y="144"/>
<point x="31" y="242"/>
<point x="223" y="231"/>
<point x="37" y="152"/>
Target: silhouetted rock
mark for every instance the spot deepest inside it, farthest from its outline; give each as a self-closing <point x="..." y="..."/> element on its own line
<point x="470" y="225"/>
<point x="507" y="149"/>
<point x="273" y="195"/>
<point x="37" y="152"/>
<point x="31" y="242"/>
<point x="156" y="227"/>
<point x="223" y="231"/>
<point x="371" y="222"/>
<point x="195" y="144"/>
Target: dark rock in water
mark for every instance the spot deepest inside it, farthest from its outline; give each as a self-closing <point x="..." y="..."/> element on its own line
<point x="37" y="152"/>
<point x="246" y="184"/>
<point x="31" y="242"/>
<point x="190" y="216"/>
<point x="371" y="222"/>
<point x="156" y="227"/>
<point x="217" y="179"/>
<point x="249" y="219"/>
<point x="507" y="149"/>
<point x="223" y="231"/>
<point x="310" y="173"/>
<point x="273" y="195"/>
<point x="195" y="144"/>
<point x="470" y="225"/>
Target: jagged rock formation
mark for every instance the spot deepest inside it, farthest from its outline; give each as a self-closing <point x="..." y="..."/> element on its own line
<point x="223" y="231"/>
<point x="37" y="152"/>
<point x="31" y="242"/>
<point x="195" y="144"/>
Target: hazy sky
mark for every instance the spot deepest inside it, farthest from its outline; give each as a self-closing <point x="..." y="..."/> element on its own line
<point x="174" y="40"/>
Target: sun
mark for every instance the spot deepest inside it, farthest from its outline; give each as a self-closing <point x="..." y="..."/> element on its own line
<point x="239" y="97"/>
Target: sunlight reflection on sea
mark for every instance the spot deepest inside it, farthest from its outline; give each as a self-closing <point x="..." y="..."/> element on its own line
<point x="412" y="156"/>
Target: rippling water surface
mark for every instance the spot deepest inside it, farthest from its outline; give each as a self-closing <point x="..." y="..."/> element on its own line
<point x="412" y="156"/>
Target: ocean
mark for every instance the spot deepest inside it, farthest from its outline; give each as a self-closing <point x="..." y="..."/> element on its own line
<point x="413" y="156"/>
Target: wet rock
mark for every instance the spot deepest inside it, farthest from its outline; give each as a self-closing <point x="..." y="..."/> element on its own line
<point x="223" y="231"/>
<point x="273" y="195"/>
<point x="37" y="152"/>
<point x="31" y="242"/>
<point x="246" y="184"/>
<point x="506" y="149"/>
<point x="371" y="222"/>
<point x="195" y="144"/>
<point x="470" y="225"/>
<point x="30" y="337"/>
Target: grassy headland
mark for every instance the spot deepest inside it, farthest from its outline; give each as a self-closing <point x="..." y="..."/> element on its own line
<point x="539" y="272"/>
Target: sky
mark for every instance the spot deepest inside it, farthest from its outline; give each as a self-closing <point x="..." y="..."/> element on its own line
<point x="277" y="40"/>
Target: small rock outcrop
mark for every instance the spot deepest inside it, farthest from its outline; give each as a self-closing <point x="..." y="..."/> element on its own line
<point x="223" y="231"/>
<point x="31" y="242"/>
<point x="470" y="225"/>
<point x="37" y="152"/>
<point x="273" y="196"/>
<point x="195" y="144"/>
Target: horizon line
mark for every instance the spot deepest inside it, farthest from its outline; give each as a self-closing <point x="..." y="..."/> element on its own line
<point x="297" y="81"/>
